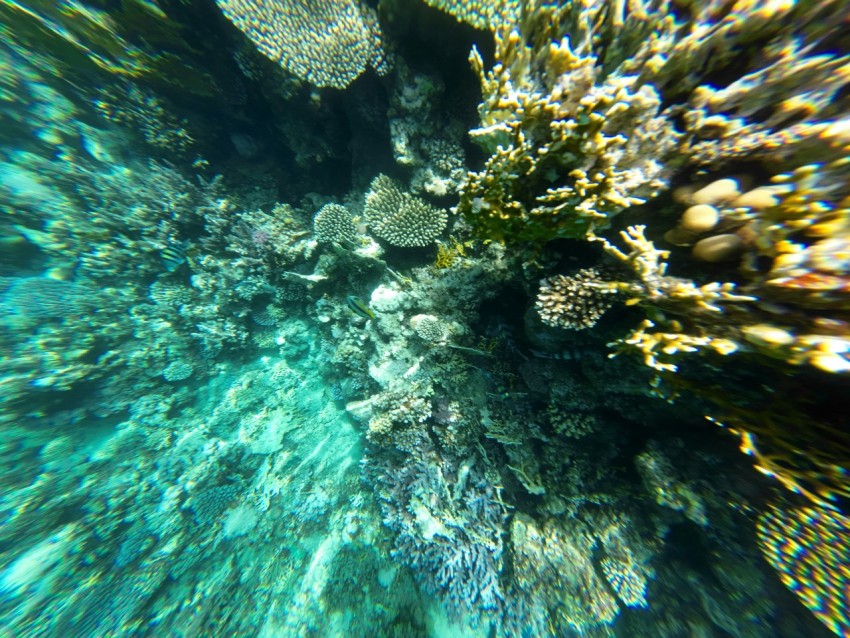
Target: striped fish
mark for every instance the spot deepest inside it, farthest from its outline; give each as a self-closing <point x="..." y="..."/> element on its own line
<point x="173" y="256"/>
<point x="359" y="307"/>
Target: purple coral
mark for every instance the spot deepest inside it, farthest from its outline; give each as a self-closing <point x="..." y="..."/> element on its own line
<point x="448" y="527"/>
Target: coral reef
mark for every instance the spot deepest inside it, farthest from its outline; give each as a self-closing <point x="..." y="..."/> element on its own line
<point x="579" y="132"/>
<point x="253" y="385"/>
<point x="423" y="138"/>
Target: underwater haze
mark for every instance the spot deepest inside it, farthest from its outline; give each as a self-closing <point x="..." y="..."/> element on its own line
<point x="424" y="318"/>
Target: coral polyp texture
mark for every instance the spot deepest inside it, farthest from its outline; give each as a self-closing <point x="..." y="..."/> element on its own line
<point x="325" y="42"/>
<point x="334" y="224"/>
<point x="486" y="14"/>
<point x="808" y="547"/>
<point x="577" y="301"/>
<point x="399" y="218"/>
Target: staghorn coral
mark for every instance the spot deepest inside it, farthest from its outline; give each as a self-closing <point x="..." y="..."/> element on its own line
<point x="685" y="318"/>
<point x="325" y="42"/>
<point x="400" y="218"/>
<point x="31" y="300"/>
<point x="447" y="524"/>
<point x="808" y="456"/>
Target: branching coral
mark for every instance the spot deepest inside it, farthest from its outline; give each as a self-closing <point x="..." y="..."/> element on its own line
<point x="486" y="14"/>
<point x="661" y="338"/>
<point x="448" y="525"/>
<point x="595" y="107"/>
<point x="325" y="42"/>
<point x="586" y="118"/>
<point x="575" y="302"/>
<point x="571" y="146"/>
<point x="333" y="223"/>
<point x="400" y="218"/>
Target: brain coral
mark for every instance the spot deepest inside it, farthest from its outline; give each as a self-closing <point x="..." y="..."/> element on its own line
<point x="400" y="218"/>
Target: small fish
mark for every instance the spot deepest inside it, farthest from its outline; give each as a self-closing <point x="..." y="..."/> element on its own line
<point x="173" y="256"/>
<point x="359" y="307"/>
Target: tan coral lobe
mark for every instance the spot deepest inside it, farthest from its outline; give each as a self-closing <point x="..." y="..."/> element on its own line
<point x="719" y="248"/>
<point x="700" y="218"/>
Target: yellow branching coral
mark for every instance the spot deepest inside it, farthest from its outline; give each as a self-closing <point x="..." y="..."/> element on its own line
<point x="686" y="317"/>
<point x="571" y="146"/>
<point x="809" y="549"/>
<point x="325" y="42"/>
<point x="654" y="285"/>
<point x="594" y="107"/>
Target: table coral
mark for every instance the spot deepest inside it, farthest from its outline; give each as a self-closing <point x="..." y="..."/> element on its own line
<point x="325" y="42"/>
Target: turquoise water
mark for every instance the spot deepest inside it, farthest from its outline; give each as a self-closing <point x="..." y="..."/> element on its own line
<point x="304" y="335"/>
